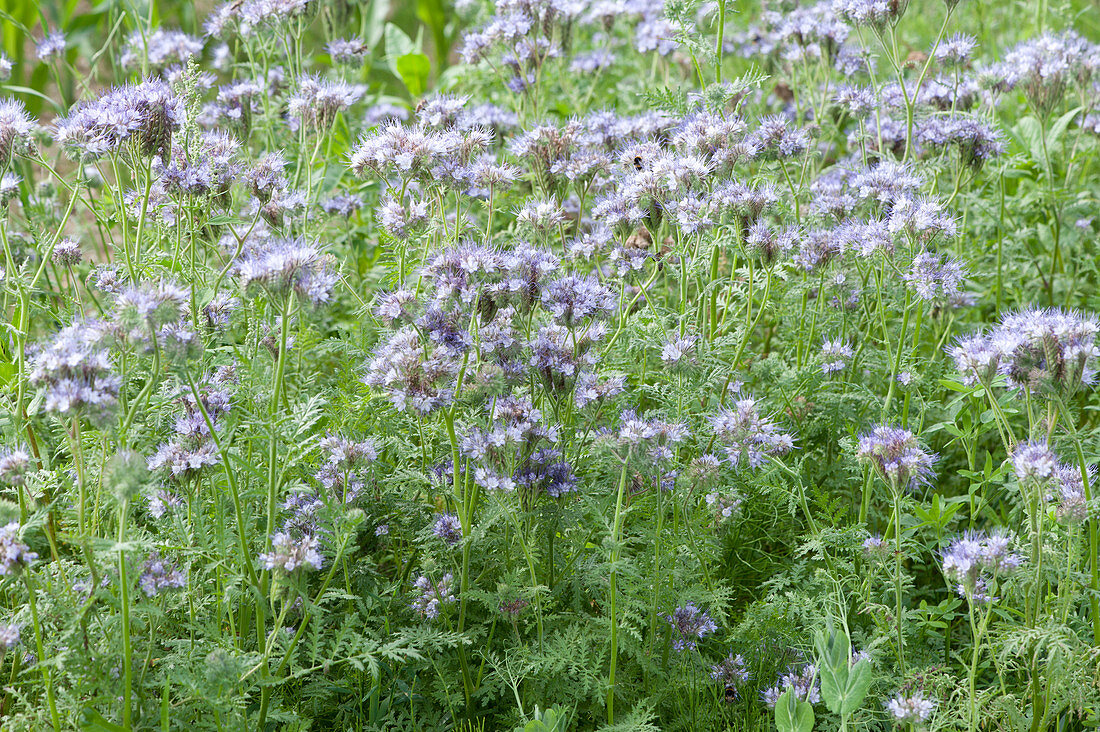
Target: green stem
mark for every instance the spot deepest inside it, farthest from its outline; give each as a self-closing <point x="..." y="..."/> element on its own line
<point x="124" y="593"/>
<point x="46" y="676"/>
<point x="613" y="590"/>
<point x="897" y="575"/>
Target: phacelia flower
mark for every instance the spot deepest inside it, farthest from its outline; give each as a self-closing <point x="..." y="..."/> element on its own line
<point x="148" y="114"/>
<point x="1033" y="460"/>
<point x="835" y="355"/>
<point x="14" y="554"/>
<point x="433" y="595"/>
<point x="448" y="528"/>
<point x="14" y="465"/>
<point x="159" y="575"/>
<point x="52" y="45"/>
<point x="1035" y="350"/>
<point x="731" y="673"/>
<point x="748" y="437"/>
<point x="896" y="455"/>
<point x="911" y="709"/>
<point x="16" y="130"/>
<point x="804" y="682"/>
<point x="689" y="626"/>
<point x="975" y="560"/>
<point x="76" y="373"/>
<point x="9" y="635"/>
<point x="282" y="265"/>
<point x="289" y="554"/>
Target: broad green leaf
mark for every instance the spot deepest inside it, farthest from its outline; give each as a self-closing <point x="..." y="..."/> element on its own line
<point x="93" y="721"/>
<point x="833" y="652"/>
<point x="792" y="715"/>
<point x="398" y="44"/>
<point x="1060" y="126"/>
<point x="859" y="681"/>
<point x="376" y="21"/>
<point x="414" y="68"/>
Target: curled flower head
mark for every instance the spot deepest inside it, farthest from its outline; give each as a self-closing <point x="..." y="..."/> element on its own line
<point x="975" y="560"/>
<point x="748" y="437"/>
<point x="1035" y="350"/>
<point x="433" y="595"/>
<point x="284" y="265"/>
<point x="288" y="554"/>
<point x="14" y="554"/>
<point x="911" y="709"/>
<point x="689" y="626"/>
<point x="896" y="455"/>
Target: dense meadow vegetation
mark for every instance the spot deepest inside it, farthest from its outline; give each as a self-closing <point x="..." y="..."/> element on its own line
<point x="549" y="365"/>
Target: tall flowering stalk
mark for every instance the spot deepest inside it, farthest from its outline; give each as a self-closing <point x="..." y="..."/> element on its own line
<point x="896" y="457"/>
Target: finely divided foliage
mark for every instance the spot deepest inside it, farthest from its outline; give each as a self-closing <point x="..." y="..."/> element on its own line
<point x="549" y="364"/>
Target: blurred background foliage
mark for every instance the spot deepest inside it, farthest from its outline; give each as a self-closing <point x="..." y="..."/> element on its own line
<point x="411" y="42"/>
